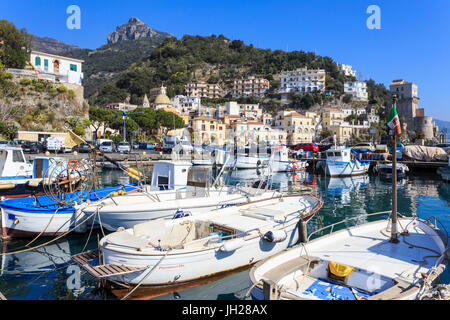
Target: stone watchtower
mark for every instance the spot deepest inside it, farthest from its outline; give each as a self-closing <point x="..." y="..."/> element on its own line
<point x="407" y="102"/>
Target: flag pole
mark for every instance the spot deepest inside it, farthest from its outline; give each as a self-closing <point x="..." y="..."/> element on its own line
<point x="394" y="219"/>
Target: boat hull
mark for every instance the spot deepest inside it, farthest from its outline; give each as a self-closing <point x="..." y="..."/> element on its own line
<point x="20" y="224"/>
<point x="346" y="169"/>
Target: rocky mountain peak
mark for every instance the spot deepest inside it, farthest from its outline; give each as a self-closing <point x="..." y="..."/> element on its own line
<point x="132" y="30"/>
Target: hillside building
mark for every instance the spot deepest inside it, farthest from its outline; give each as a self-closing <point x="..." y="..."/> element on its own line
<point x="249" y="87"/>
<point x="57" y="68"/>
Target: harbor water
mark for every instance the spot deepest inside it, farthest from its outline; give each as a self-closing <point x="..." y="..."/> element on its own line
<point x="48" y="273"/>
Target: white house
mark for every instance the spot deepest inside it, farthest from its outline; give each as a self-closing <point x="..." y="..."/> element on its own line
<point x="347" y="70"/>
<point x="357" y="89"/>
<point x="57" y="68"/>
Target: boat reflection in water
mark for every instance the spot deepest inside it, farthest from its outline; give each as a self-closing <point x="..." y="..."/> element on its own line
<point x="42" y="259"/>
<point x="341" y="187"/>
<point x="283" y="181"/>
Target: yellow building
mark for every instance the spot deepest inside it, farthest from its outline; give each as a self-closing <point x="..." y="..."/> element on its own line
<point x="332" y="117"/>
<point x="208" y="130"/>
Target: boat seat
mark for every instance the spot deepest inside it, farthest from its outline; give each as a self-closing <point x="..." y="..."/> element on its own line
<point x="277" y="273"/>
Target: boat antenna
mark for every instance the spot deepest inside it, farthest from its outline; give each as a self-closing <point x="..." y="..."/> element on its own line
<point x="394" y="219"/>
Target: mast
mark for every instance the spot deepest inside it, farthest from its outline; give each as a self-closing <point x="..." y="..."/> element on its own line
<point x="394" y="219"/>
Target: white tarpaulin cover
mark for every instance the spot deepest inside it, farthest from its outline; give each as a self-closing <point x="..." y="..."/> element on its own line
<point x="423" y="153"/>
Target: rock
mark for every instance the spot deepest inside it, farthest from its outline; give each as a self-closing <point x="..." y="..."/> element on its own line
<point x="132" y="30"/>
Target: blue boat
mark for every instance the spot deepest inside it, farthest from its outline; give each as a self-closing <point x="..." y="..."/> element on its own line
<point x="42" y="215"/>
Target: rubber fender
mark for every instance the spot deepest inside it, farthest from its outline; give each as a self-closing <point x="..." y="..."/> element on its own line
<point x="232" y="245"/>
<point x="275" y="236"/>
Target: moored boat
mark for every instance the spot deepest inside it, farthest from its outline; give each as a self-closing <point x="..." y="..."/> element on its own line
<point x="355" y="263"/>
<point x="162" y="252"/>
<point x="339" y="163"/>
<point x="385" y="170"/>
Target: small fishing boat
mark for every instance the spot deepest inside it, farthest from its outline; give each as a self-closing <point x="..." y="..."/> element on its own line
<point x="249" y="158"/>
<point x="161" y="252"/>
<point x="339" y="163"/>
<point x="42" y="215"/>
<point x="279" y="161"/>
<point x="183" y="184"/>
<point x="21" y="178"/>
<point x="385" y="170"/>
<point x="355" y="263"/>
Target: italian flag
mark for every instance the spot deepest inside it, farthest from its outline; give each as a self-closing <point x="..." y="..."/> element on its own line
<point x="393" y="121"/>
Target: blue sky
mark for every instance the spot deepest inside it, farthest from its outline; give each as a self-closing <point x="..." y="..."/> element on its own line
<point x="412" y="44"/>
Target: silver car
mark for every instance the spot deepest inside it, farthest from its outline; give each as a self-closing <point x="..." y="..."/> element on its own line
<point x="107" y="146"/>
<point x="124" y="147"/>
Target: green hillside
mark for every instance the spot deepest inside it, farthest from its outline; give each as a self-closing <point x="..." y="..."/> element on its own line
<point x="216" y="59"/>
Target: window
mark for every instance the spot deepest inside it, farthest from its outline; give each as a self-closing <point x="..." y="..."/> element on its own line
<point x="17" y="156"/>
<point x="37" y="61"/>
<point x="45" y="64"/>
<point x="73" y="67"/>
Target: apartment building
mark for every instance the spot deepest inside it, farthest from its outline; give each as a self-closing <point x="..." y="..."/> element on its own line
<point x="252" y="111"/>
<point x="250" y="87"/>
<point x="302" y="80"/>
<point x="332" y="117"/>
<point x="203" y="90"/>
<point x="209" y="131"/>
<point x="347" y="70"/>
<point x="358" y="89"/>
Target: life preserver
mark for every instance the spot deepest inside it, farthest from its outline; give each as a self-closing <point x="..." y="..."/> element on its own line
<point x="73" y="164"/>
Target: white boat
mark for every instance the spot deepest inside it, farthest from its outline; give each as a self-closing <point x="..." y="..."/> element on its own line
<point x="385" y="169"/>
<point x="355" y="263"/>
<point x="339" y="163"/>
<point x="279" y="161"/>
<point x="161" y="252"/>
<point x="194" y="194"/>
<point x="19" y="177"/>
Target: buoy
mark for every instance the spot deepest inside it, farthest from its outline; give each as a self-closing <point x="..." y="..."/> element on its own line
<point x="232" y="245"/>
<point x="275" y="236"/>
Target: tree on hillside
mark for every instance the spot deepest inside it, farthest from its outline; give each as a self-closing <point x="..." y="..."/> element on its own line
<point x="15" y="45"/>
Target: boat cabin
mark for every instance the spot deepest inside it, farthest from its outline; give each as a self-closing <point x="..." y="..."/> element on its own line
<point x="279" y="153"/>
<point x="13" y="163"/>
<point x="342" y="155"/>
<point x="41" y="165"/>
<point x="170" y="175"/>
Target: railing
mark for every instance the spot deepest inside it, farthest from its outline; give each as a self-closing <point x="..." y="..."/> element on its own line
<point x="331" y="226"/>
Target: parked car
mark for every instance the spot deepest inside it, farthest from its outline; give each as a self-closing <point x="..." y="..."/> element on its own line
<point x="32" y="147"/>
<point x="147" y="146"/>
<point x="84" y="147"/>
<point x="307" y="147"/>
<point x="135" y="145"/>
<point x="124" y="147"/>
<point x="364" y="146"/>
<point x="159" y="147"/>
<point x="107" y="146"/>
<point x="324" y="146"/>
